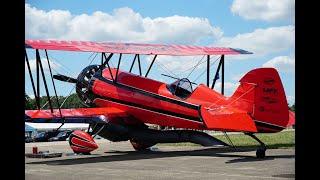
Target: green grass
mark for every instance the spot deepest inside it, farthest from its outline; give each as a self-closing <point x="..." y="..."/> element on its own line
<point x="284" y="139"/>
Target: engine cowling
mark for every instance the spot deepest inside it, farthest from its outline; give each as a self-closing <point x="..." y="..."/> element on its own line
<point x="82" y="142"/>
<point x="83" y="84"/>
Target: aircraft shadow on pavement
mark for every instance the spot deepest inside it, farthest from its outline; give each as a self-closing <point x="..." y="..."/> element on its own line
<point x="134" y="155"/>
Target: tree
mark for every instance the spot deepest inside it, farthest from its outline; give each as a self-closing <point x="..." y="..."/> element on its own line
<point x="29" y="102"/>
<point x="73" y="101"/>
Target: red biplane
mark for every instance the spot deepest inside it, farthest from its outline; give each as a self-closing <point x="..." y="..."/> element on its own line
<point x="121" y="104"/>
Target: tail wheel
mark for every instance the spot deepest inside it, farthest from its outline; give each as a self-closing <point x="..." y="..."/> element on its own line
<point x="261" y="152"/>
<point x="140" y="146"/>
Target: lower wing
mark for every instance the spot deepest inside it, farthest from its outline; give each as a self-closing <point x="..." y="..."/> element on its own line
<point x="79" y="115"/>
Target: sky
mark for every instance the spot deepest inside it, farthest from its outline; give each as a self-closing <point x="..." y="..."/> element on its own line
<point x="266" y="28"/>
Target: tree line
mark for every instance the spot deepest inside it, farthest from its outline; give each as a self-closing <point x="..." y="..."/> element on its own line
<point x="72" y="101"/>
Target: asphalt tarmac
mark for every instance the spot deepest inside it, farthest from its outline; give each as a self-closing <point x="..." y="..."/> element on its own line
<point x="120" y="161"/>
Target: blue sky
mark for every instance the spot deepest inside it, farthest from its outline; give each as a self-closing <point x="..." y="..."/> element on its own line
<point x="264" y="27"/>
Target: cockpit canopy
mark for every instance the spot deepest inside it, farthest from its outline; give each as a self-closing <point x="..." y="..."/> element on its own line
<point x="181" y="88"/>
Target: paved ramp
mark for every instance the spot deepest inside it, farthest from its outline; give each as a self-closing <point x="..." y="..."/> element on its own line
<point x="120" y="161"/>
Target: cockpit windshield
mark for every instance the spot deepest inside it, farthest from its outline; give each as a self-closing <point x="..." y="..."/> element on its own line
<point x="181" y="88"/>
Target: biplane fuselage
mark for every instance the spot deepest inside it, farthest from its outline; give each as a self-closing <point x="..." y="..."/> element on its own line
<point x="152" y="102"/>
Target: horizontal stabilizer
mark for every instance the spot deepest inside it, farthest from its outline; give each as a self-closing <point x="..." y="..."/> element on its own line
<point x="224" y="118"/>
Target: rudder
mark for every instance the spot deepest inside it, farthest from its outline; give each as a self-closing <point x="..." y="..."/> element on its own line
<point x="262" y="95"/>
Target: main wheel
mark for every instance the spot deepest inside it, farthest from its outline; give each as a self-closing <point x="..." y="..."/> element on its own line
<point x="261" y="152"/>
<point x="139" y="146"/>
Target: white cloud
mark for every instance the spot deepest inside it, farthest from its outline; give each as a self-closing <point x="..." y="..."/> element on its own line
<point x="122" y="24"/>
<point x="262" y="41"/>
<point x="180" y="64"/>
<point x="229" y="87"/>
<point x="267" y="10"/>
<point x="32" y="62"/>
<point x="41" y="24"/>
<point x="237" y="77"/>
<point x="281" y="63"/>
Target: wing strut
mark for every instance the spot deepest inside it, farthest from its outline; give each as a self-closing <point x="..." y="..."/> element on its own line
<point x="216" y="76"/>
<point x="32" y="82"/>
<point x="139" y="64"/>
<point x="208" y="69"/>
<point x="106" y="62"/>
<point x="151" y="65"/>
<point x="118" y="67"/>
<point x="134" y="60"/>
<point x="38" y="59"/>
<point x="38" y="81"/>
<point x="55" y="91"/>
<point x="222" y="74"/>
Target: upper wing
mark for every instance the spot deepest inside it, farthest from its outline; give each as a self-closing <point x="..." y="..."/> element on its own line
<point x="80" y="115"/>
<point x="131" y="48"/>
<point x="227" y="119"/>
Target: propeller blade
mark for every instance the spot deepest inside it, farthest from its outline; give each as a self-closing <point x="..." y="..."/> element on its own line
<point x="65" y="78"/>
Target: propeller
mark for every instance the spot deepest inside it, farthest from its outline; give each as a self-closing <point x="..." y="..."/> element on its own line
<point x="64" y="78"/>
<point x="82" y="83"/>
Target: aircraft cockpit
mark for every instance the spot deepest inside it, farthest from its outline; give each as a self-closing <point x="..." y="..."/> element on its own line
<point x="181" y="88"/>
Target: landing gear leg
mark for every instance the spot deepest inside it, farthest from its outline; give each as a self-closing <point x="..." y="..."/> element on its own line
<point x="261" y="151"/>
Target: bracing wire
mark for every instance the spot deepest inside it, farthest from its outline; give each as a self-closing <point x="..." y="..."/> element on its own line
<point x="188" y="68"/>
<point x="199" y="62"/>
<point x="212" y="63"/>
<point x="164" y="68"/>
<point x="194" y="67"/>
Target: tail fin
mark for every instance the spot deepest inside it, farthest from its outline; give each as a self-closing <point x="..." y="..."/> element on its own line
<point x="261" y="94"/>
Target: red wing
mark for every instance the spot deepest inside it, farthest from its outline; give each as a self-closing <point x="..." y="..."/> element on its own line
<point x="75" y="113"/>
<point x="131" y="48"/>
<point x="227" y="119"/>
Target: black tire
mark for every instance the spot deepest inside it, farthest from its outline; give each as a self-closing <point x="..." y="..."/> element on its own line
<point x="82" y="153"/>
<point x="138" y="146"/>
<point x="261" y="153"/>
